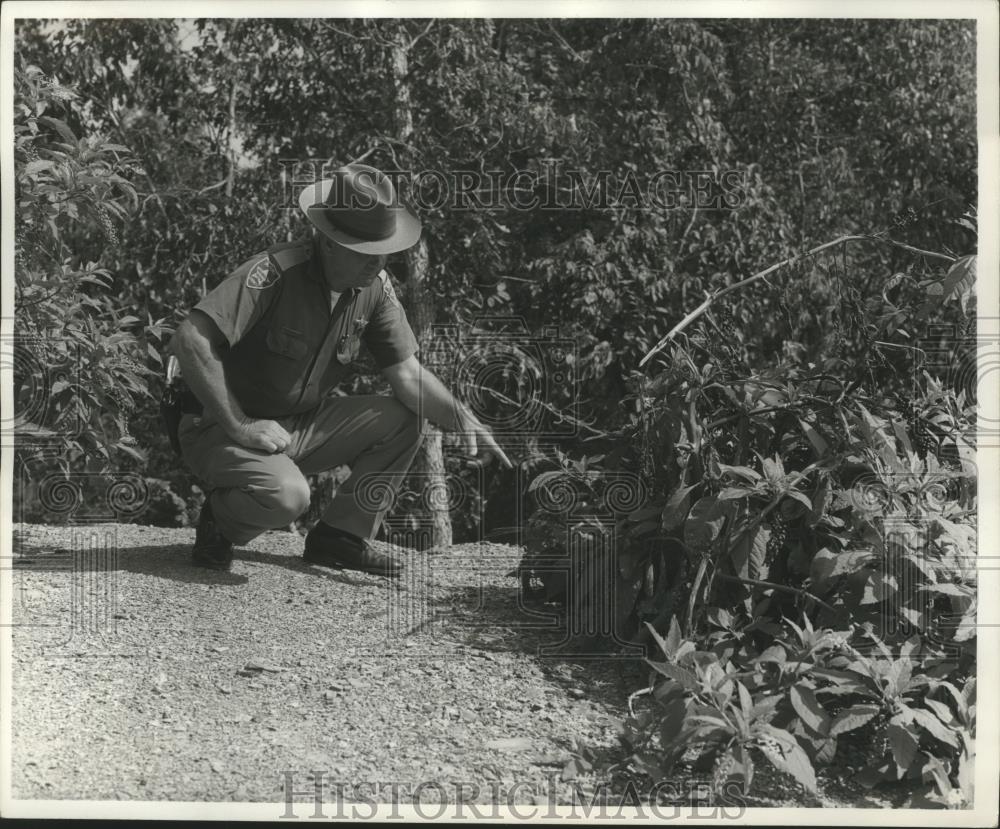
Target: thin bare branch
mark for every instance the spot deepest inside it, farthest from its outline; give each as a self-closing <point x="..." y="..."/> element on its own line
<point x="420" y="36"/>
<point x="363" y="156"/>
<point x="736" y="286"/>
<point x="783" y="588"/>
<point x="349" y="35"/>
<point x="564" y="43"/>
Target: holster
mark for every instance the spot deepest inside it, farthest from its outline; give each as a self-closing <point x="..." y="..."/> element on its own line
<point x="177" y="401"/>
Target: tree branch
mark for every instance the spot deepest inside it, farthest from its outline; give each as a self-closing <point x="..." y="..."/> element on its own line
<point x="349" y="35"/>
<point x="420" y="36"/>
<point x="712" y="297"/>
<point x="565" y="43"/>
<point x="801" y="592"/>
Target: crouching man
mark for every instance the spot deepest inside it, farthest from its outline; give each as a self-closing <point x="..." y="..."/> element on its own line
<point x="262" y="351"/>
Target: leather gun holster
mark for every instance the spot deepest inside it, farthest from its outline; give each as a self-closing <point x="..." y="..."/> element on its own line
<point x="177" y="401"/>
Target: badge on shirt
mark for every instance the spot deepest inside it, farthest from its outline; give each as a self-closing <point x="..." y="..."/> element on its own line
<point x="261" y="275"/>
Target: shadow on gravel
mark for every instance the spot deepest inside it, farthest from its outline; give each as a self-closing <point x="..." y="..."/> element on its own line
<point x="298" y="565"/>
<point x="592" y="683"/>
<point x="168" y="561"/>
<point x="173" y="562"/>
<point x="496" y="620"/>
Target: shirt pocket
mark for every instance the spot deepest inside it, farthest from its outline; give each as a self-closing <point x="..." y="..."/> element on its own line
<point x="287" y="342"/>
<point x="348" y="348"/>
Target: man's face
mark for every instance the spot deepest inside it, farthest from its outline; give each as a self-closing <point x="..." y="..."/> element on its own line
<point x="344" y="268"/>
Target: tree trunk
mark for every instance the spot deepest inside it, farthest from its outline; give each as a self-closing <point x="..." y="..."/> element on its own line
<point x="231" y="132"/>
<point x="231" y="153"/>
<point x="428" y="467"/>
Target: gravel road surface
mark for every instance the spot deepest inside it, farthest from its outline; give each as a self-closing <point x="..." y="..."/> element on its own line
<point x="138" y="676"/>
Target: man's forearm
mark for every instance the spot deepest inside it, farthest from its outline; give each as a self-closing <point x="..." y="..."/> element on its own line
<point x="428" y="396"/>
<point x="201" y="367"/>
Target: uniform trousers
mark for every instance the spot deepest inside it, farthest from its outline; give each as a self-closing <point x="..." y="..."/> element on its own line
<point x="253" y="491"/>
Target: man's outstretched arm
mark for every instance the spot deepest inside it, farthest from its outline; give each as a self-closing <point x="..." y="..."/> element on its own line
<point x="421" y="392"/>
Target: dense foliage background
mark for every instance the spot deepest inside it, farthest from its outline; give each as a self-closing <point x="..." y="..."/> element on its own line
<point x="798" y="459"/>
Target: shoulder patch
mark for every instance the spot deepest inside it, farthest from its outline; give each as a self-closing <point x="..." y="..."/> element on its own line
<point x="388" y="292"/>
<point x="261" y="275"/>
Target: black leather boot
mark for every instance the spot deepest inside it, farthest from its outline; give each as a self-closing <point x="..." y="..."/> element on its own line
<point x="330" y="547"/>
<point x="211" y="548"/>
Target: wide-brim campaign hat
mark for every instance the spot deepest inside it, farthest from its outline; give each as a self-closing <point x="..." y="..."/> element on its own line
<point x="359" y="208"/>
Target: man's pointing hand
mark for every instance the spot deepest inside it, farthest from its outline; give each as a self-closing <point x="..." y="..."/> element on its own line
<point x="481" y="448"/>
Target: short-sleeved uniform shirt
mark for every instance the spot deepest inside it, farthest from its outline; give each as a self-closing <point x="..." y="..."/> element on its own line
<point x="288" y="348"/>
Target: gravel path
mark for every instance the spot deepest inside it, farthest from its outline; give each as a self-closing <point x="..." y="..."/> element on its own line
<point x="138" y="676"/>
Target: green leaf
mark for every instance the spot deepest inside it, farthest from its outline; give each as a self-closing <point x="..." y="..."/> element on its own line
<point x="791" y="759"/>
<point x="851" y="718"/>
<point x="37" y="166"/>
<point x="685" y="653"/>
<point x="757" y="564"/>
<point x="937" y="729"/>
<point x="772" y="470"/>
<point x="741" y="471"/>
<point x="968" y="628"/>
<point x="801" y="497"/>
<point x="720" y="617"/>
<point x="943" y="711"/>
<point x="132" y="451"/>
<point x="673" y="640"/>
<point x="826" y="750"/>
<point x="734" y="492"/>
<point x="677" y="506"/>
<point x="704" y="523"/>
<point x="902" y="437"/>
<point x="817" y="441"/>
<point x="961" y="278"/>
<point x="820" y="499"/>
<point x="709" y="719"/>
<point x="687" y="679"/>
<point x="827" y="564"/>
<point x="903" y="744"/>
<point x="661" y="643"/>
<point x="967" y="775"/>
<point x="746" y="701"/>
<point x="739" y="554"/>
<point x="764" y="707"/>
<point x="60" y="126"/>
<point x="775" y="653"/>
<point x="969" y="692"/>
<point x="898" y="675"/>
<point x="809" y="710"/>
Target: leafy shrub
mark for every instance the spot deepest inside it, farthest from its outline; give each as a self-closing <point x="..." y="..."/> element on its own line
<point x="820" y="533"/>
<point x="81" y="361"/>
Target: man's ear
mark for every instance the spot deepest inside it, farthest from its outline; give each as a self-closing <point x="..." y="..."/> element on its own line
<point x="398" y="268"/>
